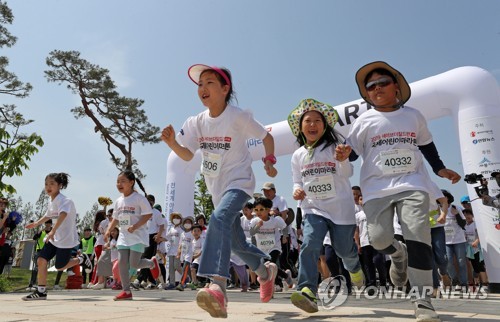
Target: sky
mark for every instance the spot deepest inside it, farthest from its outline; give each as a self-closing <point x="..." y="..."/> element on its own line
<point x="279" y="52"/>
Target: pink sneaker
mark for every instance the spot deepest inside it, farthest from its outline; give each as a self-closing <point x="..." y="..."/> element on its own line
<point x="212" y="300"/>
<point x="267" y="286"/>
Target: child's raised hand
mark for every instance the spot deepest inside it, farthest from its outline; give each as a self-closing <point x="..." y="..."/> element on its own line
<point x="299" y="194"/>
<point x="168" y="135"/>
<point x="270" y="170"/>
<point x="342" y="152"/>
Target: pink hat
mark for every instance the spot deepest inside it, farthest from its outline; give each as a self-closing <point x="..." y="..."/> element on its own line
<point x="195" y="71"/>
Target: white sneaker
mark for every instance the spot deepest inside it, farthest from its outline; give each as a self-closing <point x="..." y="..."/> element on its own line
<point x="98" y="286"/>
<point x="56" y="288"/>
<point x="278" y="288"/>
<point x="89" y="285"/>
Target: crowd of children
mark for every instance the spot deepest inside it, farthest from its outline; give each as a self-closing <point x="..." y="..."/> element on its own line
<point x="396" y="225"/>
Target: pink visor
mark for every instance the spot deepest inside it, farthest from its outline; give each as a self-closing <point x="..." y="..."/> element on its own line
<point x="195" y="71"/>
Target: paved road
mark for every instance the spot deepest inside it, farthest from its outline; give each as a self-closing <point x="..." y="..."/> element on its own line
<point x="155" y="305"/>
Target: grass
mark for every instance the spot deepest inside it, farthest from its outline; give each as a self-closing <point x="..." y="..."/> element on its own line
<point x="19" y="279"/>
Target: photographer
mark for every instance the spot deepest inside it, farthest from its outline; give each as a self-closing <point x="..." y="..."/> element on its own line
<point x="487" y="199"/>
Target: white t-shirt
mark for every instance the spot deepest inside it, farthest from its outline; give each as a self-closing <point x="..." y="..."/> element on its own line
<point x="471" y="234"/>
<point x="363" y="231"/>
<point x="326" y="184"/>
<point x="388" y="143"/>
<point x="66" y="235"/>
<point x="226" y="163"/>
<point x="186" y="247"/>
<point x="173" y="239"/>
<point x="453" y="232"/>
<point x="128" y="211"/>
<point x="197" y="246"/>
<point x="156" y="220"/>
<point x="245" y="224"/>
<point x="269" y="237"/>
<point x="101" y="230"/>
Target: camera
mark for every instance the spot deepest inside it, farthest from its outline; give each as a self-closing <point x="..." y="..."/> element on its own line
<point x="473" y="178"/>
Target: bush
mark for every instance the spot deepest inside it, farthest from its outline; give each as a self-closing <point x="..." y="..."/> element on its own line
<point x="5" y="285"/>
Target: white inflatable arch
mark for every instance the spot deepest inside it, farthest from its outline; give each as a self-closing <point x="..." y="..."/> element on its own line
<point x="469" y="94"/>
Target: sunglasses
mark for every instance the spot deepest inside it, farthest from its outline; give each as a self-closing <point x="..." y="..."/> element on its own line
<point x="382" y="82"/>
<point x="259" y="209"/>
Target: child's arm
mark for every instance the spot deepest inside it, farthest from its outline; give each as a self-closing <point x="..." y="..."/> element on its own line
<point x="111" y="226"/>
<point x="144" y="219"/>
<point x="37" y="223"/>
<point x="342" y="152"/>
<point x="168" y="136"/>
<point x="268" y="142"/>
<point x="443" y="209"/>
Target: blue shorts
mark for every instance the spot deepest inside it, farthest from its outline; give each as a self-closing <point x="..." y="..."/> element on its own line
<point x="63" y="255"/>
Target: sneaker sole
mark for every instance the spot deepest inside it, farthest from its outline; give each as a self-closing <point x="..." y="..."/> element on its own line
<point x="35" y="299"/>
<point x="303" y="303"/>
<point x="123" y="299"/>
<point x="274" y="272"/>
<point x="206" y="302"/>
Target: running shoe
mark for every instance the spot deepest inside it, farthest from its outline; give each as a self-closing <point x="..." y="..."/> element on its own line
<point x="123" y="296"/>
<point x="305" y="300"/>
<point x="424" y="311"/>
<point x="36" y="296"/>
<point x="267" y="286"/>
<point x="212" y="300"/>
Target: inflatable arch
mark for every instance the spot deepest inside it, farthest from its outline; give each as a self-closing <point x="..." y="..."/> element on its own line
<point x="469" y="94"/>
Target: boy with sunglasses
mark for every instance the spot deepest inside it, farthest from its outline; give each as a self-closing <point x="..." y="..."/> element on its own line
<point x="393" y="139"/>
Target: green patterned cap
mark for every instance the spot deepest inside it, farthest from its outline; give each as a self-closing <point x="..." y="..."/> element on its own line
<point x="309" y="104"/>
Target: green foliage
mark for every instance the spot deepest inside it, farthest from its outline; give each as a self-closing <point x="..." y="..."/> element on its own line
<point x="120" y="120"/>
<point x="203" y="203"/>
<point x="16" y="148"/>
<point x="5" y="285"/>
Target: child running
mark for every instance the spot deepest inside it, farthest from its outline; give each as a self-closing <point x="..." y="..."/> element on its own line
<point x="392" y="139"/>
<point x="321" y="182"/>
<point x="63" y="237"/>
<point x="267" y="231"/>
<point x="132" y="212"/>
<point x="220" y="132"/>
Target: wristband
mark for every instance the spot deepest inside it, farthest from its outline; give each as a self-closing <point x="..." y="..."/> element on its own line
<point x="271" y="158"/>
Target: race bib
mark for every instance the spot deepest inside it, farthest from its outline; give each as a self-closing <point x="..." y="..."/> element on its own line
<point x="210" y="164"/>
<point x="266" y="242"/>
<point x="397" y="161"/>
<point x="125" y="221"/>
<point x="320" y="187"/>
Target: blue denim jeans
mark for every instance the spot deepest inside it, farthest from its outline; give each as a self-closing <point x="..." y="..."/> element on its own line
<point x="224" y="235"/>
<point x="457" y="250"/>
<point x="315" y="229"/>
<point x="438" y="242"/>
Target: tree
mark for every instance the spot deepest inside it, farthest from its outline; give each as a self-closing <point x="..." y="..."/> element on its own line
<point x="120" y="120"/>
<point x="203" y="204"/>
<point x="88" y="219"/>
<point x="16" y="148"/>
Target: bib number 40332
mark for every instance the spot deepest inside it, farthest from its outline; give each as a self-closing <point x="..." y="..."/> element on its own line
<point x="397" y="161"/>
